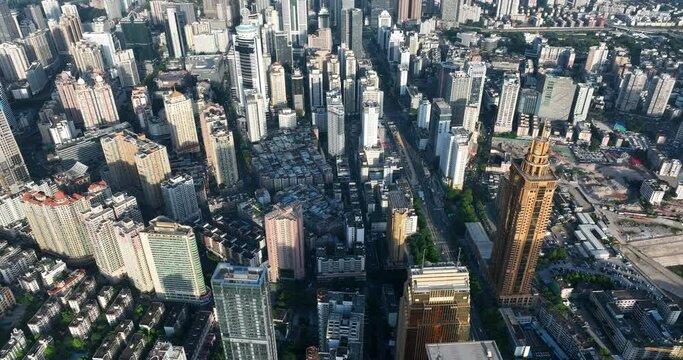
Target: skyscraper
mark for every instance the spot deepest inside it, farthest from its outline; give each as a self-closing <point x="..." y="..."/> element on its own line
<point x="243" y="312"/>
<point x="336" y="138"/>
<point x="223" y="160"/>
<point x="137" y="36"/>
<point x="477" y="72"/>
<point x="370" y="118"/>
<point x="88" y="56"/>
<point x="435" y="308"/>
<point x="51" y="8"/>
<point x="557" y="97"/>
<point x="174" y="38"/>
<point x="95" y="101"/>
<point x="341" y="318"/>
<point x="278" y="86"/>
<point x="127" y="68"/>
<point x="99" y="225"/>
<point x="67" y="33"/>
<point x="582" y="102"/>
<point x="597" y="58"/>
<point x="13" y="61"/>
<point x="424" y="114"/>
<point x="133" y="255"/>
<point x="632" y="85"/>
<point x="409" y="10"/>
<point x="40" y="47"/>
<point x="450" y="12"/>
<point x="136" y="164"/>
<point x="257" y="127"/>
<point x="401" y="223"/>
<point x="180" y="199"/>
<point x="171" y="252"/>
<point x="351" y="30"/>
<point x="440" y="124"/>
<point x="13" y="171"/>
<point x="658" y="95"/>
<point x="8" y="27"/>
<point x="295" y="20"/>
<point x="526" y="204"/>
<point x="507" y="103"/>
<point x="284" y="227"/>
<point x="453" y="161"/>
<point x="298" y="92"/>
<point x="180" y="117"/>
<point x="506" y="8"/>
<point x="34" y="13"/>
<point x="249" y="62"/>
<point x="56" y="223"/>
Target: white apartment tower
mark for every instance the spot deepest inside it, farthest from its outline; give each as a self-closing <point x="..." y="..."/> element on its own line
<point x="507" y="103"/>
<point x="453" y="161"/>
<point x="370" y="118"/>
<point x="180" y="199"/>
<point x="180" y="117"/>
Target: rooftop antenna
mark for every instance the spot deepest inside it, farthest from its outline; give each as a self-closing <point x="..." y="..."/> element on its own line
<point x="458" y="261"/>
<point x="423" y="258"/>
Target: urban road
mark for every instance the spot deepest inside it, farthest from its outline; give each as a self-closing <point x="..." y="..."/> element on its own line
<point x="422" y="183"/>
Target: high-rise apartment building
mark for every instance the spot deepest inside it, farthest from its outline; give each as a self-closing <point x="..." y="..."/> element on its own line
<point x="223" y="160"/>
<point x="136" y="164"/>
<point x="40" y="47"/>
<point x="424" y="114"/>
<point x="284" y="227"/>
<point x="255" y="108"/>
<point x="557" y="97"/>
<point x="210" y="116"/>
<point x="526" y="204"/>
<point x="65" y="84"/>
<point x="67" y="33"/>
<point x="132" y="254"/>
<point x="99" y="225"/>
<point x="180" y="199"/>
<point x="243" y="311"/>
<point x="450" y="12"/>
<point x="370" y="124"/>
<point x="298" y="92"/>
<point x="336" y="138"/>
<point x="56" y="223"/>
<point x="13" y="61"/>
<point x="95" y="101"/>
<point x="453" y="161"/>
<point x="632" y="85"/>
<point x="435" y="308"/>
<point x="658" y="95"/>
<point x="51" y="8"/>
<point x="127" y="68"/>
<point x="440" y="124"/>
<point x="409" y="10"/>
<point x="286" y="118"/>
<point x="507" y="103"/>
<point x="506" y="8"/>
<point x="582" y="102"/>
<point x="8" y="27"/>
<point x="87" y="56"/>
<point x="278" y="86"/>
<point x="401" y="223"/>
<point x="180" y="117"/>
<point x="341" y="318"/>
<point x="171" y="252"/>
<point x="13" y="171"/>
<point x="597" y="58"/>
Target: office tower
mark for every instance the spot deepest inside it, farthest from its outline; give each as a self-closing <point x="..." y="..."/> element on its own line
<point x="401" y="224"/>
<point x="133" y="255"/>
<point x="180" y="199"/>
<point x="409" y="10"/>
<point x="56" y="223"/>
<point x="315" y="87"/>
<point x="323" y="18"/>
<point x="506" y="8"/>
<point x="341" y="318"/>
<point x="298" y="92"/>
<point x="174" y="37"/>
<point x="40" y="47"/>
<point x="51" y="8"/>
<point x="351" y="30"/>
<point x="88" y="56"/>
<point x="137" y="164"/>
<point x="632" y="85"/>
<point x="526" y="204"/>
<point x="284" y="227"/>
<point x="171" y="252"/>
<point x="211" y="7"/>
<point x="440" y="124"/>
<point x="99" y="226"/>
<point x="658" y="95"/>
<point x="113" y="9"/>
<point x="223" y="160"/>
<point x="295" y="21"/>
<point x="243" y="311"/>
<point x="127" y="68"/>
<point x="450" y="12"/>
<point x="435" y="308"/>
<point x="13" y="61"/>
<point x="336" y="138"/>
<point x="597" y="58"/>
<point x="349" y="90"/>
<point x="557" y="97"/>
<point x="507" y="102"/>
<point x="8" y="27"/>
<point x="249" y="62"/>
<point x="370" y="125"/>
<point x="424" y="114"/>
<point x="582" y="102"/>
<point x="527" y="102"/>
<point x="257" y="128"/>
<point x="34" y="13"/>
<point x="384" y="20"/>
<point x="13" y="171"/>
<point x="453" y="161"/>
<point x="180" y="117"/>
<point x="286" y="118"/>
<point x="278" y="86"/>
<point x="137" y="36"/>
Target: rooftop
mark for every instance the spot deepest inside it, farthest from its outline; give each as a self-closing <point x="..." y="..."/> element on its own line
<point x="474" y="350"/>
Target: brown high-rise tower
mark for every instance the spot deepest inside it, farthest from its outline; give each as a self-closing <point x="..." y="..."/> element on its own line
<point x="525" y="206"/>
